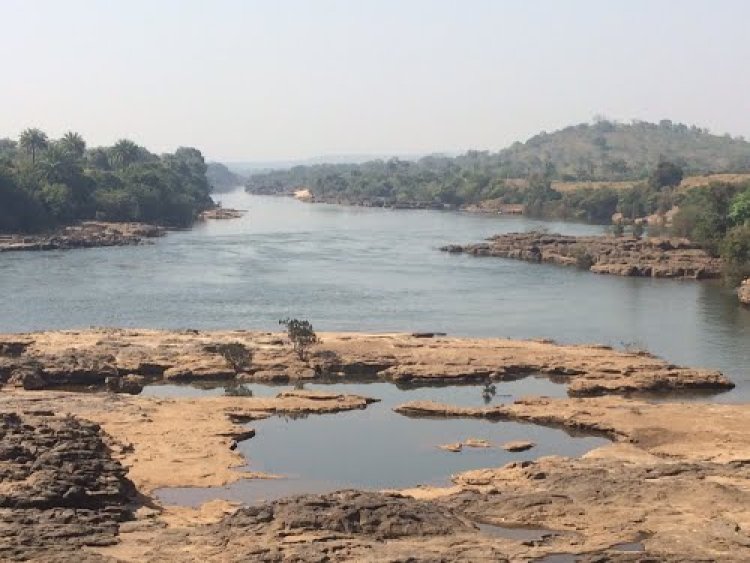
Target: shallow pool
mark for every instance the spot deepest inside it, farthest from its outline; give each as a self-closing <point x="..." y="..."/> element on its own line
<point x="376" y="448"/>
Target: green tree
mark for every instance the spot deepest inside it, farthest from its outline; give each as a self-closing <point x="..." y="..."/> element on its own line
<point x="74" y="144"/>
<point x="735" y="254"/>
<point x="301" y="334"/>
<point x="739" y="210"/>
<point x="33" y="141"/>
<point x="124" y="153"/>
<point x="666" y="174"/>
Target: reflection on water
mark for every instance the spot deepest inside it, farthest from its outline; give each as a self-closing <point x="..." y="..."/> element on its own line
<point x="376" y="448"/>
<point x="349" y="268"/>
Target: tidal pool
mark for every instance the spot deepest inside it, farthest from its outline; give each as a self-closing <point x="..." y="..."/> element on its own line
<point x="376" y="448"/>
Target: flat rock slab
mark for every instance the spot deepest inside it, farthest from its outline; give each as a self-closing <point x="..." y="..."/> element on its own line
<point x="48" y="359"/>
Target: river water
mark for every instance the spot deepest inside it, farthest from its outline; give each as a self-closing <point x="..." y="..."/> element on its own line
<point x="359" y="269"/>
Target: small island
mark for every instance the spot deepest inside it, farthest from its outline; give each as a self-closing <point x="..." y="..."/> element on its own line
<point x="62" y="194"/>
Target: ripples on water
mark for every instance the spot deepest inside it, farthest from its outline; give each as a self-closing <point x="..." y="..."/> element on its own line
<point x="359" y="269"/>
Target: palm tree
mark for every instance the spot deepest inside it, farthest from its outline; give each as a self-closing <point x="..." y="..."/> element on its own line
<point x="124" y="152"/>
<point x="33" y="140"/>
<point x="74" y="144"/>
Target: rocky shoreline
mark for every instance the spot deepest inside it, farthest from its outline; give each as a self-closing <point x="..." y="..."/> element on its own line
<point x="89" y="234"/>
<point x="125" y="359"/>
<point x="646" y="496"/>
<point x="221" y="213"/>
<point x="621" y="256"/>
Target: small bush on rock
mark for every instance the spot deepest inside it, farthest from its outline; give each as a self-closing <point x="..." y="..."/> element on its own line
<point x="301" y="334"/>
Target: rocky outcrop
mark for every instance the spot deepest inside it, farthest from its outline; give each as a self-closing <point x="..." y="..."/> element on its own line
<point x="51" y="359"/>
<point x="666" y="489"/>
<point x="494" y="207"/>
<point x="60" y="489"/>
<point x="221" y="213"/>
<point x="88" y="234"/>
<point x="621" y="256"/>
<point x="377" y="515"/>
<point x="744" y="292"/>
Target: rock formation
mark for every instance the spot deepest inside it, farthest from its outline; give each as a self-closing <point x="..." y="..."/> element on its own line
<point x="88" y="234"/>
<point x="621" y="256"/>
<point x="60" y="489"/>
<point x="51" y="359"/>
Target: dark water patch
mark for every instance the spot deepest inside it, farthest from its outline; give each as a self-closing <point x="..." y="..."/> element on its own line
<point x="463" y="394"/>
<point x="557" y="558"/>
<point x="519" y="533"/>
<point x="376" y="448"/>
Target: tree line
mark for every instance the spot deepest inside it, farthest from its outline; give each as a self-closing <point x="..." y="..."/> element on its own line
<point x="46" y="183"/>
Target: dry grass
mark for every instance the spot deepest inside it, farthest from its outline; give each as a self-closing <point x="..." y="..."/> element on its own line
<point x="687" y="183"/>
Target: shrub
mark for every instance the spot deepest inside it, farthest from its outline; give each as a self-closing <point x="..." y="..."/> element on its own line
<point x="584" y="260"/>
<point x="237" y="355"/>
<point x="735" y="253"/>
<point x="301" y="335"/>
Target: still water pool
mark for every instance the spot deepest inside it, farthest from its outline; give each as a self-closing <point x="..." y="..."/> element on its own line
<point x="376" y="448"/>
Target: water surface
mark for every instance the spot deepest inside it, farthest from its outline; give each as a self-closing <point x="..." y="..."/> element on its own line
<point x="376" y="448"/>
<point x="348" y="268"/>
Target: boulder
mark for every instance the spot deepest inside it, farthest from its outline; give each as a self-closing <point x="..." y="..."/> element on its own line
<point x="131" y="383"/>
<point x="518" y="446"/>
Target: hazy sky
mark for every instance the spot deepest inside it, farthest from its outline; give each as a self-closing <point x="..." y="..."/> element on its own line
<point x="276" y="79"/>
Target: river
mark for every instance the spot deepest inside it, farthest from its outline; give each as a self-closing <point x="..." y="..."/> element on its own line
<point x="361" y="269"/>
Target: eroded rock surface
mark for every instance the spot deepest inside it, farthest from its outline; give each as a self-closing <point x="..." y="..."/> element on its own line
<point x="88" y="234"/>
<point x="622" y="256"/>
<point x="49" y="359"/>
<point x="60" y="489"/>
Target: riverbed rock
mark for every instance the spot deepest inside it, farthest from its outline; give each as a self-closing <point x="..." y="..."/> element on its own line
<point x="744" y="292"/>
<point x="87" y="234"/>
<point x="621" y="256"/>
<point x="131" y="383"/>
<point x="453" y="447"/>
<point x="518" y="446"/>
<point x="60" y="489"/>
<point x="221" y="213"/>
<point x="476" y="443"/>
<point x="88" y="357"/>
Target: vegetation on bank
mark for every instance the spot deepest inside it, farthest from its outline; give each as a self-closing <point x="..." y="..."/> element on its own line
<point x="221" y="178"/>
<point x="46" y="183"/>
<point x="602" y="151"/>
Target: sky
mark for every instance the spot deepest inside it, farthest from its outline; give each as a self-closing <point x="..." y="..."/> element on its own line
<point x="246" y="80"/>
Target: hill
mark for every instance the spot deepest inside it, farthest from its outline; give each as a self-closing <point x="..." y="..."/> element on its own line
<point x="604" y="151"/>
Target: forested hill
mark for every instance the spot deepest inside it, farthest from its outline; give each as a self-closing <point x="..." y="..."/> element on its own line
<point x="604" y="150"/>
<point x="221" y="178"/>
<point x="46" y="183"/>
